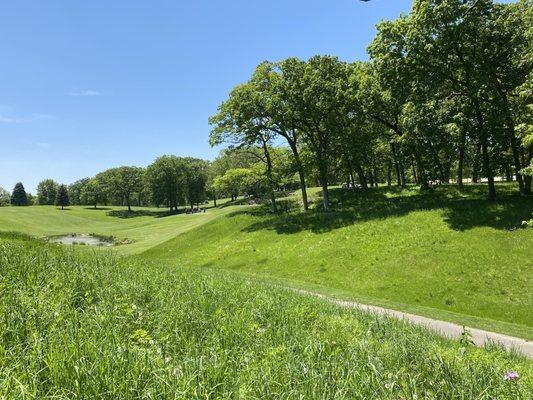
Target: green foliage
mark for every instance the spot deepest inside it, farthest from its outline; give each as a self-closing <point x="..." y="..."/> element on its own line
<point x="166" y="180"/>
<point x="93" y="192"/>
<point x="122" y="182"/>
<point x="62" y="198"/>
<point x="86" y="325"/>
<point x="5" y="198"/>
<point x="47" y="192"/>
<point x="76" y="192"/>
<point x="175" y="181"/>
<point x="237" y="181"/>
<point x="19" y="196"/>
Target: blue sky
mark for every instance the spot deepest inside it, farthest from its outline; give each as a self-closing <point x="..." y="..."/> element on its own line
<point x="88" y="85"/>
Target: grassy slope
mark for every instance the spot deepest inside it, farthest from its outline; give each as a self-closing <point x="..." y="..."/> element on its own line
<point x="88" y="325"/>
<point x="147" y="227"/>
<point x="444" y="255"/>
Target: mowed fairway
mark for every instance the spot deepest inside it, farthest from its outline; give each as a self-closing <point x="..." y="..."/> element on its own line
<point x="444" y="255"/>
<point x="146" y="227"/>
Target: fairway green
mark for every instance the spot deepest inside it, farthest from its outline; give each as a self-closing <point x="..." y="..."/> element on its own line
<point x="89" y="325"/>
<point x="146" y="227"/>
<point x="443" y="254"/>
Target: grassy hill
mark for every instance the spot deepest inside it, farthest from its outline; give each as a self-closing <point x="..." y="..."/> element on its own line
<point x="87" y="324"/>
<point x="442" y="254"/>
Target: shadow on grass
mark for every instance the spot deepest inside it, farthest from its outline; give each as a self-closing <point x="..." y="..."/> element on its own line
<point x="98" y="208"/>
<point x="124" y="214"/>
<point x="461" y="210"/>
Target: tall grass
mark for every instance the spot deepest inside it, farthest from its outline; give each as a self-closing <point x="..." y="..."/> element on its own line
<point x="445" y="254"/>
<point x="80" y="325"/>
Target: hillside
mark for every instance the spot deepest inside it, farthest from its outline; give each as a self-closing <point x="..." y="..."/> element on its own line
<point x="444" y="254"/>
<point x="80" y="324"/>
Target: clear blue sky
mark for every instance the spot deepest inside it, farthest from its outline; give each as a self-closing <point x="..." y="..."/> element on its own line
<point x="88" y="85"/>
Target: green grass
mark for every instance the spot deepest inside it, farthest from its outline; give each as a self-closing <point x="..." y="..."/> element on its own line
<point x="146" y="227"/>
<point x="87" y="324"/>
<point x="442" y="254"/>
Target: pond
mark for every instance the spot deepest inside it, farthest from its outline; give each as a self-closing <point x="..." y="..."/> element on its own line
<point x="82" y="239"/>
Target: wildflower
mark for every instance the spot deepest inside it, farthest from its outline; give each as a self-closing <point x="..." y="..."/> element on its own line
<point x="511" y="376"/>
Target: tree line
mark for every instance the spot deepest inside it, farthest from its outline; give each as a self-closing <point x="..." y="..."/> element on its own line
<point x="445" y="96"/>
<point x="170" y="181"/>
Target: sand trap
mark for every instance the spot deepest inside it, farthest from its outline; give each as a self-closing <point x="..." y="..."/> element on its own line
<point x="82" y="239"/>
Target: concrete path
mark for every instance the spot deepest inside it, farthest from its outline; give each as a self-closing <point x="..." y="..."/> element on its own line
<point x="446" y="329"/>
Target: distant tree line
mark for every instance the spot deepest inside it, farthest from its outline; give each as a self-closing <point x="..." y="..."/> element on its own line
<point x="447" y="94"/>
<point x="170" y="181"/>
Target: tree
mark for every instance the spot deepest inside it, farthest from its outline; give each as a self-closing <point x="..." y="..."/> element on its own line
<point x="165" y="177"/>
<point x="76" y="190"/>
<point x="236" y="181"/>
<point x="122" y="182"/>
<point x="241" y="121"/>
<point x="273" y="86"/>
<point x="93" y="192"/>
<point x="19" y="196"/>
<point x="5" y="198"/>
<point x="62" y="198"/>
<point x="195" y="180"/>
<point x="46" y="192"/>
<point x="316" y="93"/>
<point x="455" y="50"/>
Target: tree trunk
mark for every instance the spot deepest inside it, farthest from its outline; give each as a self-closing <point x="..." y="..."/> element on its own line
<point x="515" y="145"/>
<point x="422" y="176"/>
<point x="508" y="175"/>
<point x="325" y="195"/>
<point x="270" y="177"/>
<point x="460" y="168"/>
<point x="301" y="174"/>
<point x="415" y="177"/>
<point x="389" y="174"/>
<point x="396" y="164"/>
<point x="516" y="158"/>
<point x="402" y="174"/>
<point x="371" y="178"/>
<point x="475" y="166"/>
<point x="352" y="179"/>
<point x="324" y="183"/>
<point x="528" y="179"/>
<point x="485" y="151"/>
<point x="362" y="177"/>
<point x="488" y="170"/>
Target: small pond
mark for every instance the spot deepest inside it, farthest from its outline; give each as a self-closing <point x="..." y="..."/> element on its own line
<point x="82" y="239"/>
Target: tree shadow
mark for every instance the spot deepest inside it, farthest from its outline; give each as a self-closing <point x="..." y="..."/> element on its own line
<point x="461" y="210"/>
<point x="97" y="208"/>
<point x="125" y="214"/>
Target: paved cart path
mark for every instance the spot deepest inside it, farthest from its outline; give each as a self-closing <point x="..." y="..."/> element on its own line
<point x="444" y="328"/>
